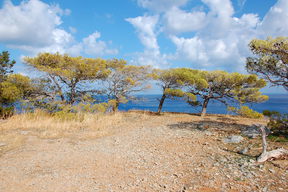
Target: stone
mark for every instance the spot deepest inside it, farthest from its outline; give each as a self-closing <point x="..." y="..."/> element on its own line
<point x="2" y="144"/>
<point x="208" y="133"/>
<point x="253" y="131"/>
<point x="24" y="132"/>
<point x="244" y="151"/>
<point x="233" y="139"/>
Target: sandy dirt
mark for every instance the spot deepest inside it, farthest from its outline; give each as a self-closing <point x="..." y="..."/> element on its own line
<point x="153" y="153"/>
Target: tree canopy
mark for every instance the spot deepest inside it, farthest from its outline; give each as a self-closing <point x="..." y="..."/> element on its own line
<point x="124" y="80"/>
<point x="6" y="65"/>
<point x="271" y="62"/>
<point x="67" y="75"/>
<point x="68" y="81"/>
<point x="172" y="81"/>
<point x="226" y="88"/>
<point x="13" y="87"/>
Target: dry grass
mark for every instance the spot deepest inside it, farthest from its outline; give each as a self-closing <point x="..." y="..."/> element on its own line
<point x="47" y="126"/>
<point x="10" y="141"/>
<point x="15" y="130"/>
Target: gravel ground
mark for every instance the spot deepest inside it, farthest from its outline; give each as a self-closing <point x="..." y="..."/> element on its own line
<point x="161" y="155"/>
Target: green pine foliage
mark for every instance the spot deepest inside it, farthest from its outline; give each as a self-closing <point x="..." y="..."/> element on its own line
<point x="278" y="124"/>
<point x="271" y="61"/>
<point x="245" y="111"/>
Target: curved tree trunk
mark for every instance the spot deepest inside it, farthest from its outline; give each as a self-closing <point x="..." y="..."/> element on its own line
<point x="204" y="107"/>
<point x="266" y="155"/>
<point x="115" y="108"/>
<point x="161" y="103"/>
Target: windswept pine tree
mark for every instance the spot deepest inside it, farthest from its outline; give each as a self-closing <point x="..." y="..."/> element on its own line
<point x="6" y="65"/>
<point x="271" y="62"/>
<point x="224" y="87"/>
<point x="125" y="80"/>
<point x="173" y="81"/>
<point x="67" y="76"/>
<point x="13" y="87"/>
<point x="229" y="87"/>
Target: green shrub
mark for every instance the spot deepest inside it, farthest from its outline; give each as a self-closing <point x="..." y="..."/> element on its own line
<point x="245" y="111"/>
<point x="77" y="112"/>
<point x="6" y="112"/>
<point x="278" y="124"/>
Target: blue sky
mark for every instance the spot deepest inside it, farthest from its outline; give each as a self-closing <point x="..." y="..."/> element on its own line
<point x="201" y="34"/>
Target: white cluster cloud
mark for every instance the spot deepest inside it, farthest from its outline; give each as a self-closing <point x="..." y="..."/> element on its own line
<point x="35" y="26"/>
<point x="161" y="5"/>
<point x="93" y="46"/>
<point x="179" y="21"/>
<point x="213" y="39"/>
<point x="275" y="21"/>
<point x="145" y="26"/>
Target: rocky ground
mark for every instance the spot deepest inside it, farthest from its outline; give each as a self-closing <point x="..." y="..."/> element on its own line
<point x="172" y="152"/>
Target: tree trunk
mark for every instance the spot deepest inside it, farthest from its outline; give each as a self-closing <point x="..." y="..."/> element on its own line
<point x="161" y="103"/>
<point x="204" y="107"/>
<point x="72" y="93"/>
<point x="274" y="154"/>
<point x="53" y="78"/>
<point x="115" y="108"/>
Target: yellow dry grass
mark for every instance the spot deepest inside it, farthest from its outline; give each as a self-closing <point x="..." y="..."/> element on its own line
<point x="15" y="130"/>
<point x="47" y="126"/>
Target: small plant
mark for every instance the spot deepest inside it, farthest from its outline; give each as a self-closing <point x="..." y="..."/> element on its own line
<point x="6" y="112"/>
<point x="245" y="111"/>
<point x="278" y="124"/>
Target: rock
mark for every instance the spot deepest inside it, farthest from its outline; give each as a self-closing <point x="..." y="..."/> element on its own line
<point x="253" y="131"/>
<point x="208" y="133"/>
<point x="265" y="189"/>
<point x="233" y="139"/>
<point x="2" y="144"/>
<point x="244" y="151"/>
<point x="271" y="171"/>
<point x="251" y="160"/>
<point x="24" y="132"/>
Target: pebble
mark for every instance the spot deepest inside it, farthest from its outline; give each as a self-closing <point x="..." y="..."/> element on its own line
<point x="233" y="139"/>
<point x="24" y="132"/>
<point x="244" y="151"/>
<point x="2" y="144"/>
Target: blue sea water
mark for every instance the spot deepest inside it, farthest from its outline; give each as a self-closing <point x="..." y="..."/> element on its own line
<point x="276" y="102"/>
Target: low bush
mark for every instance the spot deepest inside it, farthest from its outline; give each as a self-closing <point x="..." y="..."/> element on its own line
<point x="245" y="111"/>
<point x="278" y="124"/>
<point x="6" y="112"/>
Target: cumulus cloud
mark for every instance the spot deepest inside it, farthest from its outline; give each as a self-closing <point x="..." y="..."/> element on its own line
<point x="179" y="21"/>
<point x="145" y="27"/>
<point x="220" y="8"/>
<point x="275" y="22"/>
<point x="93" y="46"/>
<point x="161" y="5"/>
<point x="30" y="23"/>
<point x="34" y="26"/>
<point x="62" y="40"/>
<point x="152" y="58"/>
<point x="215" y="38"/>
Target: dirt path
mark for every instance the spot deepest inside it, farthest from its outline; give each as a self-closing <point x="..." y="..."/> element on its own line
<point x="145" y="158"/>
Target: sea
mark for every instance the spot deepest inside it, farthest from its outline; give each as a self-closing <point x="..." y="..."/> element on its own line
<point x="276" y="102"/>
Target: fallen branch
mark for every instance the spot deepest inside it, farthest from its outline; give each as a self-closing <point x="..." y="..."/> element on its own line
<point x="274" y="154"/>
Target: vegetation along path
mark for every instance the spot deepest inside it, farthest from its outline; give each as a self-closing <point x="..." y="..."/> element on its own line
<point x="142" y="152"/>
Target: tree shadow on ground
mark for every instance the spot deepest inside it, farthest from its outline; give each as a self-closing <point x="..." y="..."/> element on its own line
<point x="234" y="151"/>
<point x="210" y="125"/>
